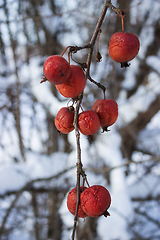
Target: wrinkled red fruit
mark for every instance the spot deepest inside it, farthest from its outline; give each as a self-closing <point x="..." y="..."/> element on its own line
<point x="64" y="120"/>
<point x="95" y="201"/>
<point x="72" y="201"/>
<point x="107" y="111"/>
<point x="56" y="69"/>
<point x="75" y="83"/>
<point x="123" y="47"/>
<point x="88" y="122"/>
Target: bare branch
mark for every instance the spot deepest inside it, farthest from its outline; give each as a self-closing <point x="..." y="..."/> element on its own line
<point x="109" y="169"/>
<point x="24" y="188"/>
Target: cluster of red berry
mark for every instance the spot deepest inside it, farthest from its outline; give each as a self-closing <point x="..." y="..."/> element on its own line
<point x="94" y="201"/>
<point x="70" y="81"/>
<point x="103" y="114"/>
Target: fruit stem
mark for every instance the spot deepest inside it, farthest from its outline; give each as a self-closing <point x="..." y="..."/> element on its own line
<point x="87" y="182"/>
<point x="81" y="108"/>
<point x="65" y="51"/>
<point x="83" y="184"/>
<point x="69" y="57"/>
<point x="104" y="94"/>
<point x="44" y="79"/>
<point x="122" y="21"/>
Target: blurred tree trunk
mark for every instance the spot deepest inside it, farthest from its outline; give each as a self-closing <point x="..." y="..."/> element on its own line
<point x="54" y="220"/>
<point x="33" y="29"/>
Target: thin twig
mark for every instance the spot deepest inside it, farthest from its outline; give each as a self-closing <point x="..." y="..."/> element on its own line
<point x="109" y="169"/>
<point x="99" y="85"/>
<point x="116" y="10"/>
<point x="25" y="188"/>
<point x="17" y="112"/>
<point x="95" y="35"/>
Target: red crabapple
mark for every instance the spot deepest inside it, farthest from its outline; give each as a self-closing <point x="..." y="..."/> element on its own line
<point x="72" y="202"/>
<point x="56" y="69"/>
<point x="107" y="111"/>
<point x="88" y="122"/>
<point x="64" y="120"/>
<point x="123" y="47"/>
<point x="95" y="201"/>
<point x="75" y="83"/>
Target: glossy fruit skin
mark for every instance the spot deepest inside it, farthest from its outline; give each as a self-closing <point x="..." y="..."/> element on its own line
<point x="72" y="201"/>
<point x="95" y="200"/>
<point x="56" y="69"/>
<point x="64" y="120"/>
<point x="88" y="122"/>
<point x="123" y="47"/>
<point x="107" y="111"/>
<point x="75" y="83"/>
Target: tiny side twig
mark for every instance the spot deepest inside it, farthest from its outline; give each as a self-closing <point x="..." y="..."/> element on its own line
<point x="99" y="85"/>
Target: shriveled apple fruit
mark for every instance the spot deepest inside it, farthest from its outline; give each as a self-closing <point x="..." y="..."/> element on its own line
<point x="107" y="111"/>
<point x="123" y="47"/>
<point x="95" y="201"/>
<point x="64" y="120"/>
<point x="72" y="201"/>
<point x="88" y="122"/>
<point x="56" y="69"/>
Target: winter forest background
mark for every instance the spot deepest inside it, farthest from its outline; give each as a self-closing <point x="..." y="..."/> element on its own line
<point x="37" y="165"/>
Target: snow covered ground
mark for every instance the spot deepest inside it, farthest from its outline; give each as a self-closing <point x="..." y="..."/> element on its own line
<point x="106" y="150"/>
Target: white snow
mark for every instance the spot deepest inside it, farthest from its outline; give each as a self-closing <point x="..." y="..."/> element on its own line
<point x="11" y="179"/>
<point x="140" y="101"/>
<point x="106" y="149"/>
<point x="15" y="176"/>
<point x="154" y="62"/>
<point x="115" y="226"/>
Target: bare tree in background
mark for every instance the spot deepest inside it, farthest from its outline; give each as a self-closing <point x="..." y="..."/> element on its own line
<point x="27" y="31"/>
